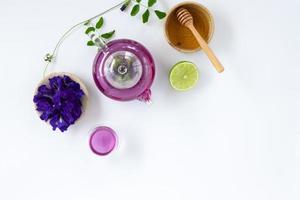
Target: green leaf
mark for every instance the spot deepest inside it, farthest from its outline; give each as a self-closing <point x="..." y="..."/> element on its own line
<point x="108" y="35"/>
<point x="90" y="43"/>
<point x="89" y="29"/>
<point x="160" y="14"/>
<point x="135" y="10"/>
<point x="99" y="23"/>
<point x="139" y="1"/>
<point x="146" y="16"/>
<point x="87" y="22"/>
<point x="151" y="3"/>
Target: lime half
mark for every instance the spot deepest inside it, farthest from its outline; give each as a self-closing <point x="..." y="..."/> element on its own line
<point x="183" y="76"/>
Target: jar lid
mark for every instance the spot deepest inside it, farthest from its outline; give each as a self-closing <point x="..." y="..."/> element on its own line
<point x="103" y="140"/>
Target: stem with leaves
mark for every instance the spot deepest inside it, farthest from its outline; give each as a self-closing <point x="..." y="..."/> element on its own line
<point x="50" y="56"/>
<point x="96" y="38"/>
<point x="92" y="31"/>
<point x="149" y="9"/>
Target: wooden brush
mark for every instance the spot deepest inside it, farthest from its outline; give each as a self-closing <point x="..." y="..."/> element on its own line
<point x="186" y="19"/>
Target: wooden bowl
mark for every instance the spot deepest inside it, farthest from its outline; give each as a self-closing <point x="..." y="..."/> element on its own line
<point x="84" y="100"/>
<point x="182" y="38"/>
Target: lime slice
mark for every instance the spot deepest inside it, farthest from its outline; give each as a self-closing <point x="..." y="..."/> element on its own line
<point x="183" y="76"/>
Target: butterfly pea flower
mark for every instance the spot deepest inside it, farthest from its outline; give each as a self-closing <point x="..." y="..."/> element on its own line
<point x="59" y="102"/>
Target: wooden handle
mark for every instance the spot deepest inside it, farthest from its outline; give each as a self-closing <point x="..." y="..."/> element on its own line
<point x="210" y="54"/>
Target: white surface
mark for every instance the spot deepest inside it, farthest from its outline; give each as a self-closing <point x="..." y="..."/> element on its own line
<point x="235" y="136"/>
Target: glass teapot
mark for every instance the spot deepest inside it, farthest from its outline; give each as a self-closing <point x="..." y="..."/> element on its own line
<point x="124" y="70"/>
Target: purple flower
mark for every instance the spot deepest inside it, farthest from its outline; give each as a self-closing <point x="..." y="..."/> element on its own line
<point x="59" y="102"/>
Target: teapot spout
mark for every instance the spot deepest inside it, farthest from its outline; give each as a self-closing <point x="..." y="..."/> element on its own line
<point x="145" y="97"/>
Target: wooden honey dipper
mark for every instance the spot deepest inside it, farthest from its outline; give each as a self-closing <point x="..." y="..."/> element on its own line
<point x="186" y="19"/>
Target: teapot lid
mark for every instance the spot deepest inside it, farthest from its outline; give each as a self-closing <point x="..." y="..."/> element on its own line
<point x="123" y="69"/>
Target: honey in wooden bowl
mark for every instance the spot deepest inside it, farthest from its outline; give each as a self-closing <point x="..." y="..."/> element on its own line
<point x="182" y="38"/>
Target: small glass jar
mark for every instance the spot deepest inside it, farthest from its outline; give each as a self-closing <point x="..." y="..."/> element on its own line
<point x="103" y="140"/>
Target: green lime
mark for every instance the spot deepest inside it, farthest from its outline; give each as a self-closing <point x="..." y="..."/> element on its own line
<point x="183" y="76"/>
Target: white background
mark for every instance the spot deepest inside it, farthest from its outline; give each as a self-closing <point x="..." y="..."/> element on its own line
<point x="236" y="136"/>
